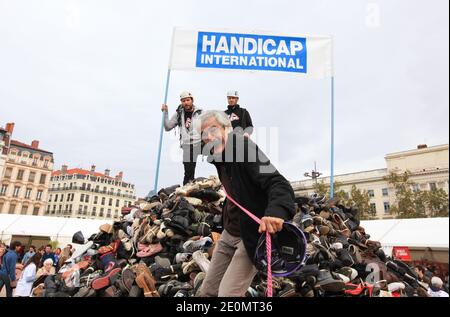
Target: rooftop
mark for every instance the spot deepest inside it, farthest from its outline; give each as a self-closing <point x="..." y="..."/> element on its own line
<point x="29" y="147"/>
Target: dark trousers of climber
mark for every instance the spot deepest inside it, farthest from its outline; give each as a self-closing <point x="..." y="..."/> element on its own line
<point x="190" y="154"/>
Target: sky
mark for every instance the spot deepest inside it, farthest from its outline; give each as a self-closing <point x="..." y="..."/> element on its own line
<point x="87" y="79"/>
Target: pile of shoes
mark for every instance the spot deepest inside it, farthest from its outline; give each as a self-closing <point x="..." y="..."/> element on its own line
<point x="163" y="247"/>
<point x="342" y="260"/>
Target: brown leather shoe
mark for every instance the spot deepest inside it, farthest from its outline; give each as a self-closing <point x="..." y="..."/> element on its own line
<point x="147" y="284"/>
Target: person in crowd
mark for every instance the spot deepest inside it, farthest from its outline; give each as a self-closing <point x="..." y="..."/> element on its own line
<point x="48" y="254"/>
<point x="57" y="254"/>
<point x="2" y="252"/>
<point x="46" y="269"/>
<point x="64" y="256"/>
<point x="29" y="254"/>
<point x="421" y="273"/>
<point x="8" y="268"/>
<point x="25" y="283"/>
<point x="71" y="249"/>
<point x="436" y="286"/>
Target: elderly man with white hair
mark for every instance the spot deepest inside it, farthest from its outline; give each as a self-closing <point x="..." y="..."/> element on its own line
<point x="435" y="289"/>
<point x="251" y="180"/>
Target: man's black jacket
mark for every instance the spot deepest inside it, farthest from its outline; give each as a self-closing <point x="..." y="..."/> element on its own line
<point x="244" y="121"/>
<point x="256" y="185"/>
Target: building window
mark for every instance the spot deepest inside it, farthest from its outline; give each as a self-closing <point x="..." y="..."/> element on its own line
<point x="385" y="192"/>
<point x="28" y="193"/>
<point x="56" y="197"/>
<point x="31" y="177"/>
<point x="116" y="214"/>
<point x="103" y="200"/>
<point x="94" y="211"/>
<point x="83" y="187"/>
<point x="110" y="202"/>
<point x="8" y="172"/>
<point x="45" y="163"/>
<point x="16" y="191"/>
<point x="108" y="214"/>
<point x="373" y="208"/>
<point x="87" y="198"/>
<point x="387" y="207"/>
<point x="24" y="210"/>
<point x="85" y="210"/>
<point x="88" y="187"/>
<point x="82" y="197"/>
<point x="20" y="175"/>
<point x="43" y="179"/>
<point x="433" y="186"/>
<point x="117" y="203"/>
<point x="95" y="199"/>
<point x="62" y="197"/>
<point x="35" y="211"/>
<point x="4" y="189"/>
<point x="101" y="212"/>
<point x="416" y="188"/>
<point x="39" y="195"/>
<point x="12" y="208"/>
<point x="80" y="209"/>
<point x="371" y="193"/>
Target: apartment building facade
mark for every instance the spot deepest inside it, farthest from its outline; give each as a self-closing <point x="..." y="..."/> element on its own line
<point x="88" y="194"/>
<point x="25" y="176"/>
<point x="429" y="167"/>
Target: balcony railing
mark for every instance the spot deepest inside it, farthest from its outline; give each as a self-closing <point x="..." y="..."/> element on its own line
<point x="92" y="190"/>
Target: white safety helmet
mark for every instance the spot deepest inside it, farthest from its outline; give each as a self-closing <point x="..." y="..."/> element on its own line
<point x="186" y="94"/>
<point x="233" y="93"/>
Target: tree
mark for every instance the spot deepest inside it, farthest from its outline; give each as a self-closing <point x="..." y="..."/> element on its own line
<point x="321" y="189"/>
<point x="437" y="203"/>
<point x="404" y="206"/>
<point x="418" y="204"/>
<point x="361" y="200"/>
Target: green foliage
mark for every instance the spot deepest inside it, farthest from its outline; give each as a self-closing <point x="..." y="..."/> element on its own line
<point x="416" y="204"/>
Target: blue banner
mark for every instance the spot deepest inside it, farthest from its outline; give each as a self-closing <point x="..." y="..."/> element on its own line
<point x="252" y="52"/>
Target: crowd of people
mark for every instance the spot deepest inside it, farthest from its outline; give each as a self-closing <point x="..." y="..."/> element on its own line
<point x="21" y="271"/>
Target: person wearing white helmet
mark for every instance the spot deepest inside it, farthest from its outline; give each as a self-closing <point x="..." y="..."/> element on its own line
<point x="186" y="118"/>
<point x="239" y="117"/>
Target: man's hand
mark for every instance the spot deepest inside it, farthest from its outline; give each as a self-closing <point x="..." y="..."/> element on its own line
<point x="13" y="284"/>
<point x="164" y="108"/>
<point x="246" y="135"/>
<point x="271" y="224"/>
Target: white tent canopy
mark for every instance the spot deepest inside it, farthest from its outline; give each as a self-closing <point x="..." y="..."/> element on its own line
<point x="423" y="232"/>
<point x="57" y="228"/>
<point x="417" y="233"/>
